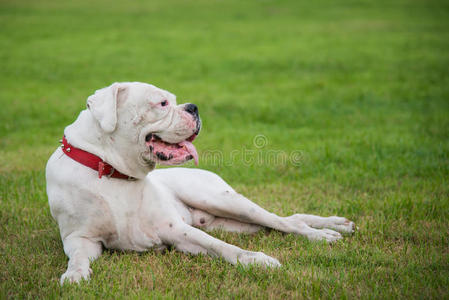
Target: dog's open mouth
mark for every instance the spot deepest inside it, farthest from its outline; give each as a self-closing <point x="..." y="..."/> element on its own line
<point x="172" y="154"/>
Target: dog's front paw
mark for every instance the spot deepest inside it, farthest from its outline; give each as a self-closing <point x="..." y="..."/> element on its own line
<point x="258" y="258"/>
<point x="75" y="276"/>
<point x="327" y="235"/>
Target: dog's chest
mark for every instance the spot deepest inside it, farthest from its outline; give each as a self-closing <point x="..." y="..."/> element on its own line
<point x="125" y="224"/>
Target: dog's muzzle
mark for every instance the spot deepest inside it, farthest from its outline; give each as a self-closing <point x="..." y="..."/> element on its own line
<point x="193" y="110"/>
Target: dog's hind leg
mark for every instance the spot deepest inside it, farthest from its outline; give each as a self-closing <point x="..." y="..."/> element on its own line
<point x="81" y="251"/>
<point x="209" y="222"/>
<point x="206" y="191"/>
<point x="232" y="205"/>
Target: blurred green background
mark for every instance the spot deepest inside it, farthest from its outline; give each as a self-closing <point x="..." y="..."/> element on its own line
<point x="359" y="88"/>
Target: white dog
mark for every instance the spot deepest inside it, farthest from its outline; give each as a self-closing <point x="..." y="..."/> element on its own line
<point x="102" y="193"/>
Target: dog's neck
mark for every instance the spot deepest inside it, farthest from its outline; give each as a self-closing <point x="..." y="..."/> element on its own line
<point x="85" y="133"/>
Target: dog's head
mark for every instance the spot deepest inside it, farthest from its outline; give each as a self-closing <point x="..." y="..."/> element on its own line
<point x="144" y="120"/>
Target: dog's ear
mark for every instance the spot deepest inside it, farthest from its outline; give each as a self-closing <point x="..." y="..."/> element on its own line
<point x="103" y="105"/>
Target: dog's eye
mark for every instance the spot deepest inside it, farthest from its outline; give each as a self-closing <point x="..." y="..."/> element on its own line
<point x="164" y="103"/>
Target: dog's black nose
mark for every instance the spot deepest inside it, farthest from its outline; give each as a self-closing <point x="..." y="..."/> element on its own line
<point x="192" y="109"/>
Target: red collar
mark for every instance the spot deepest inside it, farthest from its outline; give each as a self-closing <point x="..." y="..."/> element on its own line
<point x="92" y="161"/>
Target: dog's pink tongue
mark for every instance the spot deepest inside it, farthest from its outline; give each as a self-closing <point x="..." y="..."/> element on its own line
<point x="191" y="149"/>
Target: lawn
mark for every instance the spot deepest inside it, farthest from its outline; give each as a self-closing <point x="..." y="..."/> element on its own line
<point x="351" y="96"/>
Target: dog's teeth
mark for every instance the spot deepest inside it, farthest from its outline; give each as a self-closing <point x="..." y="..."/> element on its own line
<point x="161" y="156"/>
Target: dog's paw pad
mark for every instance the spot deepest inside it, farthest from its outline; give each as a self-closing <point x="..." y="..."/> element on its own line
<point x="340" y="224"/>
<point x="327" y="235"/>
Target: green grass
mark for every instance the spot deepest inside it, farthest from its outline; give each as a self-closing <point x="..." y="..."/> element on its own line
<point x="359" y="88"/>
